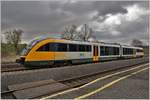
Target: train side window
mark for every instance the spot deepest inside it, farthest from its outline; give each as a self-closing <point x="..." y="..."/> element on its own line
<point x="115" y="51"/>
<point x="44" y="47"/>
<point x="106" y="50"/>
<point x="52" y="47"/>
<point x="102" y="50"/>
<point x="61" y="47"/>
<point x="139" y="50"/>
<point x="127" y="51"/>
<point x="88" y="48"/>
<point x="73" y="47"/>
<point x="130" y="51"/>
<point x="82" y="48"/>
<point x="124" y="50"/>
<point x="110" y="50"/>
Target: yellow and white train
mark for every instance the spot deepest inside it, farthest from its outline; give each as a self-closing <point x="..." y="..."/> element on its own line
<point x="48" y="51"/>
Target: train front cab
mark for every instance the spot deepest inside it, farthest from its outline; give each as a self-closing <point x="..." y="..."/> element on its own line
<point x="35" y="56"/>
<point x="139" y="52"/>
<point x="132" y="52"/>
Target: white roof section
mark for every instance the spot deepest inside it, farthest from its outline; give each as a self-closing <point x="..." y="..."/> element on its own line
<point x="127" y="46"/>
<point x="91" y="42"/>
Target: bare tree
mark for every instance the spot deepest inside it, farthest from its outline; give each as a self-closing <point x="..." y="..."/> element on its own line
<point x="14" y="37"/>
<point x="86" y="32"/>
<point x="90" y="33"/>
<point x="69" y="32"/>
<point x="136" y="42"/>
<point x="83" y="34"/>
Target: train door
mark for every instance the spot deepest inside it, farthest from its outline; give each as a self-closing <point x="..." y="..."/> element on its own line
<point x="95" y="53"/>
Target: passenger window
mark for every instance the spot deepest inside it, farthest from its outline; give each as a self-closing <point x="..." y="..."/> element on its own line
<point x="88" y="48"/>
<point x="76" y="47"/>
<point x="44" y="48"/>
<point x="115" y="51"/>
<point x="73" y="47"/>
<point x="61" y="47"/>
<point x="110" y="50"/>
<point x="82" y="48"/>
<point x="127" y="51"/>
<point x="106" y="51"/>
<point x="102" y="50"/>
<point x="48" y="47"/>
<point x="138" y="50"/>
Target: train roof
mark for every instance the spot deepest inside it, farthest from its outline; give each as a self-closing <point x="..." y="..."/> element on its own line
<point x="86" y="42"/>
<point x="128" y="46"/>
<point x="89" y="42"/>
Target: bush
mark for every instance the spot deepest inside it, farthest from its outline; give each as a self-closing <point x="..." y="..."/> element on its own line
<point x="9" y="50"/>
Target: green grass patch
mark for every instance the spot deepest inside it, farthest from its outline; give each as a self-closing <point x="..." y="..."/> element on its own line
<point x="8" y="52"/>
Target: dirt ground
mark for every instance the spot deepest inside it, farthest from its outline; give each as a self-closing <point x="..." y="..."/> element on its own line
<point x="9" y="59"/>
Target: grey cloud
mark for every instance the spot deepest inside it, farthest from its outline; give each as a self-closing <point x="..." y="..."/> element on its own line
<point x="35" y="17"/>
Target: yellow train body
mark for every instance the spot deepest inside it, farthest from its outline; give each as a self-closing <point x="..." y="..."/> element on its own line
<point x="39" y="56"/>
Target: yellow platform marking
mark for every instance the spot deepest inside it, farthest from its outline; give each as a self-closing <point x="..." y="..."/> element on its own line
<point x="109" y="84"/>
<point x="101" y="78"/>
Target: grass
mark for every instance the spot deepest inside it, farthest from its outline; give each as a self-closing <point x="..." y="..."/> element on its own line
<point x="8" y="52"/>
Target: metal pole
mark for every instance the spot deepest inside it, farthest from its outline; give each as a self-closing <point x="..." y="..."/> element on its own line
<point x="85" y="32"/>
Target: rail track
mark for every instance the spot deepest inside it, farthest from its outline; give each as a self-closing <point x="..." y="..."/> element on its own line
<point x="43" y="88"/>
<point x="11" y="67"/>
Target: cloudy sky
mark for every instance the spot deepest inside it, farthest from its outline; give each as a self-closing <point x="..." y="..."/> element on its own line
<point x="112" y="21"/>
